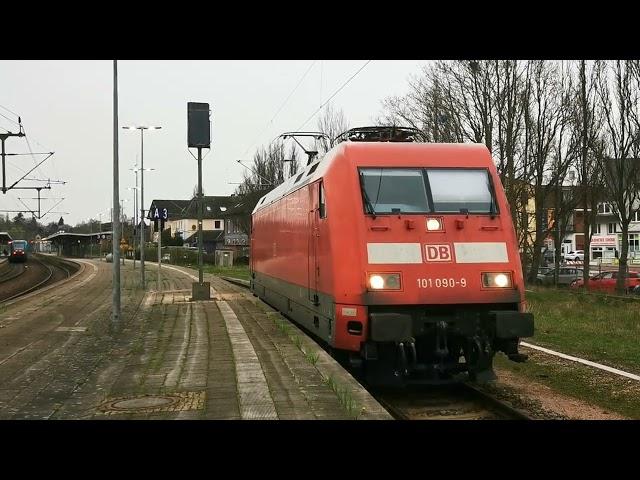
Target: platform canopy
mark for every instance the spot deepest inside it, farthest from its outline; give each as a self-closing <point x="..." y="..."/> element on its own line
<point x="62" y="236"/>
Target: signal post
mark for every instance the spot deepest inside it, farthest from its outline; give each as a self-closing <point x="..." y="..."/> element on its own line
<point x="199" y="136"/>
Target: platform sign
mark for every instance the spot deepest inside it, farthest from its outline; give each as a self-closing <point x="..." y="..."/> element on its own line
<point x="158" y="215"/>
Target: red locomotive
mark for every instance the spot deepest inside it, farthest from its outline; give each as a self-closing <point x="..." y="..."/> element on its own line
<point x="402" y="257"/>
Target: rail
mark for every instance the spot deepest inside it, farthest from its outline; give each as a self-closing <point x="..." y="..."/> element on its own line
<point x="35" y="286"/>
<point x="462" y="401"/>
<point x="11" y="271"/>
<point x="51" y="271"/>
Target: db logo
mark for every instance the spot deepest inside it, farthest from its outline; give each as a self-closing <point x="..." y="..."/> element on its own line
<point x="438" y="253"/>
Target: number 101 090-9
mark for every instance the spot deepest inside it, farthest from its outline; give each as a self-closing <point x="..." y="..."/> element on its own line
<point x="441" y="282"/>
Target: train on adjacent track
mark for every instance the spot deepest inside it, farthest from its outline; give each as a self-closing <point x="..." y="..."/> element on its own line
<point x="399" y="255"/>
<point x="18" y="251"/>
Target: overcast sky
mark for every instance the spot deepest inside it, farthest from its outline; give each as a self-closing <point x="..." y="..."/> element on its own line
<point x="67" y="107"/>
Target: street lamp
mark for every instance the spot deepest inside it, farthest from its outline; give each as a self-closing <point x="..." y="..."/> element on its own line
<point x="100" y="231"/>
<point x="91" y="238"/>
<point x="135" y="170"/>
<point x="142" y="128"/>
<point x="135" y="215"/>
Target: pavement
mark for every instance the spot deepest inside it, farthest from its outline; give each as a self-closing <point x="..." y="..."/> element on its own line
<point x="232" y="357"/>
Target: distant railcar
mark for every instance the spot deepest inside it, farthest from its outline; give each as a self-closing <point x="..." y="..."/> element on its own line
<point x="402" y="257"/>
<point x="18" y="251"/>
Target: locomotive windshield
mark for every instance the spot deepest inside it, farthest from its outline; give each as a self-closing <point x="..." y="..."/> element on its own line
<point x="391" y="190"/>
<point x="454" y="190"/>
<point x="430" y="190"/>
<point x="19" y="245"/>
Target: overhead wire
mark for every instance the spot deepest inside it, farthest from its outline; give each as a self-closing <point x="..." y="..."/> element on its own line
<point x="12" y="121"/>
<point x="270" y="122"/>
<point x="10" y="111"/>
<point x="327" y="101"/>
<point x="334" y="94"/>
<point x="25" y="137"/>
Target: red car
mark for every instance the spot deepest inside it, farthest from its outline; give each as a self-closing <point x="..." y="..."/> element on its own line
<point x="606" y="282"/>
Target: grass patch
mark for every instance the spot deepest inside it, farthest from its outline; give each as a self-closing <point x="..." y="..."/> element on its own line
<point x="344" y="397"/>
<point x="344" y="394"/>
<point x="613" y="393"/>
<point x="599" y="328"/>
<point x="238" y="271"/>
<point x="312" y="357"/>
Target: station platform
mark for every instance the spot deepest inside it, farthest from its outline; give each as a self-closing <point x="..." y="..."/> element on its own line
<point x="232" y="357"/>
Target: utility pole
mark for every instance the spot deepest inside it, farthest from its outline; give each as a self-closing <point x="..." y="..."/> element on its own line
<point x="135" y="214"/>
<point x="200" y="209"/>
<point x="3" y="138"/>
<point x="142" y="128"/>
<point x="144" y="285"/>
<point x="115" y="247"/>
<point x="159" y="259"/>
<point x="199" y="136"/>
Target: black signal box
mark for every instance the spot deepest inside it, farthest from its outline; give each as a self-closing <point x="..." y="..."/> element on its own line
<point x="198" y="125"/>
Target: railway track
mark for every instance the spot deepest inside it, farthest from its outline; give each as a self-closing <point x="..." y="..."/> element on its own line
<point x="446" y="402"/>
<point x="37" y="272"/>
<point x="10" y="271"/>
<point x="462" y="401"/>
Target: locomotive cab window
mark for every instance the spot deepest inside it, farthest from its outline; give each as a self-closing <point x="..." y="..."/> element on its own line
<point x="430" y="190"/>
<point x="472" y="191"/>
<point x="393" y="190"/>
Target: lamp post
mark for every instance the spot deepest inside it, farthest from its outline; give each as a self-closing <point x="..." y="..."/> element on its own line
<point x="100" y="233"/>
<point x="142" y="128"/>
<point x="135" y="170"/>
<point x="122" y="226"/>
<point x="135" y="216"/>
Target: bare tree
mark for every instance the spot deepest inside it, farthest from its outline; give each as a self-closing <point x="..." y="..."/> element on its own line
<point x="271" y="166"/>
<point x="545" y="122"/>
<point x="509" y="93"/>
<point x="585" y="130"/>
<point x="618" y="94"/>
<point x="428" y="107"/>
<point x="332" y="123"/>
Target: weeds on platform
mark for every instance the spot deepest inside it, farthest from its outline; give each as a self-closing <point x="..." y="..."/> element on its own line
<point x="344" y="397"/>
<point x="312" y="357"/>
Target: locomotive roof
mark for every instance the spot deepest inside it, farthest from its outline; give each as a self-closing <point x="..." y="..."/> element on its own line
<point x="317" y="169"/>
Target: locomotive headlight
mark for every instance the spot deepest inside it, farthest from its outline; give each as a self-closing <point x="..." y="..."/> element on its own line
<point x="434" y="224"/>
<point x="376" y="282"/>
<point x="384" y="281"/>
<point x="497" y="280"/>
<point x="501" y="280"/>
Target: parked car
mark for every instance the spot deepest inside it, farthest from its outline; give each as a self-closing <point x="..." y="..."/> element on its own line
<point x="544" y="270"/>
<point x="605" y="282"/>
<point x="566" y="276"/>
<point x="577" y="255"/>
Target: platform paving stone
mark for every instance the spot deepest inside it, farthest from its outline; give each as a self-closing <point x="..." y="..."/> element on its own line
<point x="61" y="357"/>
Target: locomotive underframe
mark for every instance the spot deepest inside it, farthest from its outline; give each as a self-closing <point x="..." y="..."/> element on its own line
<point x="411" y="343"/>
<point x="439" y="343"/>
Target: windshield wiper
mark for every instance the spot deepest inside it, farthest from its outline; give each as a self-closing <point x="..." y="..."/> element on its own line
<point x="492" y="203"/>
<point x="367" y="201"/>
